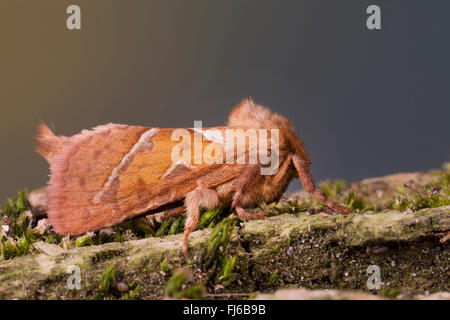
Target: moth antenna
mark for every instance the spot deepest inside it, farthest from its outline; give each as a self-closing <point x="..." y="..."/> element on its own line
<point x="48" y="144"/>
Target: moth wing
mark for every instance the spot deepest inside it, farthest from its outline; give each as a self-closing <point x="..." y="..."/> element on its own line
<point x="114" y="172"/>
<point x="80" y="171"/>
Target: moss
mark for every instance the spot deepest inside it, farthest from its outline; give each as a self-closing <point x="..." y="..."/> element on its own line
<point x="141" y="228"/>
<point x="119" y="237"/>
<point x="178" y="288"/>
<point x="390" y="293"/>
<point x="195" y="292"/>
<point x="273" y="278"/>
<point x="415" y="197"/>
<point x="16" y="218"/>
<point x="333" y="188"/>
<point x="134" y="293"/>
<point x="10" y="249"/>
<point x="164" y="228"/>
<point x="84" y="240"/>
<point x="217" y="242"/>
<point x="177" y="226"/>
<point x="226" y="273"/>
<point x="164" y="267"/>
<point x="107" y="254"/>
<point x="106" y="279"/>
<point x="290" y="206"/>
<point x="23" y="245"/>
<point x="51" y="238"/>
<point x="209" y="218"/>
<point x="15" y="207"/>
<point x="354" y="202"/>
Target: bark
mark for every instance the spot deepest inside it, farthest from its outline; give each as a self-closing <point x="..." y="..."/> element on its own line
<point x="289" y="250"/>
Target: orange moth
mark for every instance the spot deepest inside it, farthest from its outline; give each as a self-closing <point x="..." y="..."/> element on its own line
<point x="114" y="172"/>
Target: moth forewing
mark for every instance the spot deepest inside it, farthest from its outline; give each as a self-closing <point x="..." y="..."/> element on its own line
<point x="114" y="172"/>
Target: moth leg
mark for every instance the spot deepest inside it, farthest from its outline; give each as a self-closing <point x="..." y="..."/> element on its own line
<point x="282" y="170"/>
<point x="175" y="212"/>
<point x="241" y="185"/>
<point x="302" y="168"/>
<point x="247" y="215"/>
<point x="154" y="219"/>
<point x="199" y="197"/>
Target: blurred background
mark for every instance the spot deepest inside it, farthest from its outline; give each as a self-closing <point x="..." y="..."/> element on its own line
<point x="366" y="103"/>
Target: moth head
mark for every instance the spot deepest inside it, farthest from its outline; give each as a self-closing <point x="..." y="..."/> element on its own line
<point x="250" y="114"/>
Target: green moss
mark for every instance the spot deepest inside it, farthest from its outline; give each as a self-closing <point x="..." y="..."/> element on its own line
<point x="174" y="286"/>
<point x="164" y="228"/>
<point x="134" y="293"/>
<point x="415" y="197"/>
<point x="209" y="218"/>
<point x="195" y="292"/>
<point x="333" y="188"/>
<point x="84" y="240"/>
<point x="119" y="237"/>
<point x="107" y="254"/>
<point x="273" y="278"/>
<point x="20" y="225"/>
<point x="178" y="288"/>
<point x="252" y="296"/>
<point x="10" y="249"/>
<point x="217" y="242"/>
<point x="106" y="279"/>
<point x="52" y="238"/>
<point x="354" y="202"/>
<point x="141" y="228"/>
<point x="177" y="226"/>
<point x="390" y="293"/>
<point x="290" y="206"/>
<point x="164" y="267"/>
<point x="16" y="217"/>
<point x="14" y="207"/>
<point x="226" y="273"/>
<point x="23" y="245"/>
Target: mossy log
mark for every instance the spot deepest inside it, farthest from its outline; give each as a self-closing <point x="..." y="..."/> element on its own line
<point x="315" y="251"/>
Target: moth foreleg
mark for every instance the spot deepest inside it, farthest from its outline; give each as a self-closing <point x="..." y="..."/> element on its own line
<point x="241" y="185"/>
<point x="302" y="168"/>
<point x="199" y="197"/>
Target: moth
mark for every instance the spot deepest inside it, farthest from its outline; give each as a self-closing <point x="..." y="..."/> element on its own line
<point x="114" y="172"/>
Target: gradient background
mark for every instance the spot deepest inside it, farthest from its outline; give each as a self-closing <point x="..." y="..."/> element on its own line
<point x="366" y="103"/>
